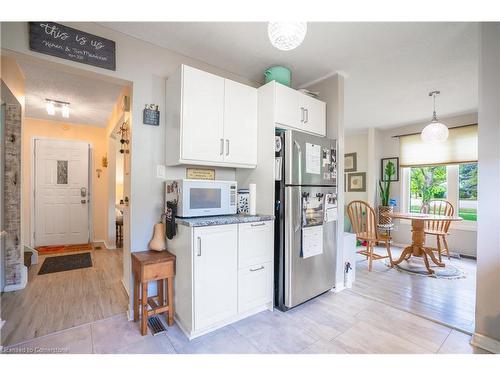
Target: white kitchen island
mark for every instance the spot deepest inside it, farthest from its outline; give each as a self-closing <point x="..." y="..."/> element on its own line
<point x="224" y="270"/>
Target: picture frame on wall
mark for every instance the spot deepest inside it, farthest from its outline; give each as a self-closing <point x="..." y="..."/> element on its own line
<point x="383" y="164"/>
<point x="350" y="162"/>
<point x="356" y="182"/>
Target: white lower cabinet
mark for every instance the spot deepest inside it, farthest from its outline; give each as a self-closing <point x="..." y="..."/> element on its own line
<point x="223" y="273"/>
<point x="215" y="274"/>
<point x="255" y="286"/>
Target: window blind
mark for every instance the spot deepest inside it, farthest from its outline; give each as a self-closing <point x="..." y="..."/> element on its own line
<point x="460" y="147"/>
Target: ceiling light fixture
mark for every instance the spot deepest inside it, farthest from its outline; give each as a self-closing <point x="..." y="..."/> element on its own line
<point x="51" y="109"/>
<point x="51" y="105"/>
<point x="65" y="111"/>
<point x="436" y="131"/>
<point x="286" y="36"/>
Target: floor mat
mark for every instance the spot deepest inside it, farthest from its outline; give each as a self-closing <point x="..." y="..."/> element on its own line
<point x="45" y="250"/>
<point x="65" y="263"/>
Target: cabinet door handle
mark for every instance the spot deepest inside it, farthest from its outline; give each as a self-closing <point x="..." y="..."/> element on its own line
<point x="258" y="224"/>
<point x="301" y="114"/>
<point x="256" y="269"/>
<point x="221" y="151"/>
<point x="307" y="115"/>
<point x="199" y="247"/>
<point x="227" y="147"/>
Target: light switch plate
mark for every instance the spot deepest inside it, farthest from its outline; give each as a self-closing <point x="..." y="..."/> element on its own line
<point x="161" y="172"/>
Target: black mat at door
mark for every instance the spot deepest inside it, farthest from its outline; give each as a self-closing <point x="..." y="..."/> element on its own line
<point x="65" y="263"/>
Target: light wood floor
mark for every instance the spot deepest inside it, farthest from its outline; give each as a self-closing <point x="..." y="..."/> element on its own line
<point x="62" y="300"/>
<point x="451" y="302"/>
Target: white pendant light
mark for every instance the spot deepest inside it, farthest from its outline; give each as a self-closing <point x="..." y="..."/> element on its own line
<point x="286" y="36"/>
<point x="436" y="131"/>
<point x="51" y="109"/>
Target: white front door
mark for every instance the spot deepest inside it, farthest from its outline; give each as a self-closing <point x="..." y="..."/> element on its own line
<point x="61" y="192"/>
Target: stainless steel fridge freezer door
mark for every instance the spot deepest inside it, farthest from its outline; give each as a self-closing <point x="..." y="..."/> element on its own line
<point x="310" y="160"/>
<point x="306" y="278"/>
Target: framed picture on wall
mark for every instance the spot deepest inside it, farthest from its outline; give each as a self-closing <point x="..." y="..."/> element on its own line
<point x="383" y="165"/>
<point x="350" y="162"/>
<point x="356" y="182"/>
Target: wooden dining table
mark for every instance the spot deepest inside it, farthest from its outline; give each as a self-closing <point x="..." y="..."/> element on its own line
<point x="417" y="247"/>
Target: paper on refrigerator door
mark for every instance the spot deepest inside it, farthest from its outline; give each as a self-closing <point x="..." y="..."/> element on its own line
<point x="312" y="241"/>
<point x="313" y="158"/>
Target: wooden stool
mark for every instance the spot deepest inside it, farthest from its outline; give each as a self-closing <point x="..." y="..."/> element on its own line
<point x="156" y="266"/>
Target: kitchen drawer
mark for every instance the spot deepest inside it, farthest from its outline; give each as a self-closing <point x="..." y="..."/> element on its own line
<point x="255" y="286"/>
<point x="255" y="243"/>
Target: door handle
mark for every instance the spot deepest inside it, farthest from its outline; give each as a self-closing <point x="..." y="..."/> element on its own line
<point x="301" y="114"/>
<point x="299" y="216"/>
<point x="83" y="192"/>
<point x="83" y="201"/>
<point x="256" y="269"/>
<point x="258" y="224"/>
<point x="227" y="147"/>
<point x="221" y="151"/>
<point x="307" y="115"/>
<point x="300" y="161"/>
<point x="199" y="247"/>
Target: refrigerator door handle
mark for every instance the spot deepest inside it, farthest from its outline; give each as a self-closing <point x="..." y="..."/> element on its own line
<point x="296" y="144"/>
<point x="299" y="215"/>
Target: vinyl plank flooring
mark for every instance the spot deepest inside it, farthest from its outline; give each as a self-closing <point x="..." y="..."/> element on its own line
<point x="451" y="302"/>
<point x="58" y="301"/>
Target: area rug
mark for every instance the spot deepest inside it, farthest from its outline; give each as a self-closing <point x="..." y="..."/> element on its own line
<point x="416" y="266"/>
<point x="65" y="263"/>
<point x="58" y="249"/>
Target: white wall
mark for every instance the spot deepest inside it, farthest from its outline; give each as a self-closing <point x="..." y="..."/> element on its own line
<point x="358" y="143"/>
<point x="146" y="66"/>
<point x="487" y="331"/>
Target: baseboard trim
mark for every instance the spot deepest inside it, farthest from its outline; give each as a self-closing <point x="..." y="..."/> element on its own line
<point x="486" y="343"/>
<point x="109" y="247"/>
<point x="21" y="285"/>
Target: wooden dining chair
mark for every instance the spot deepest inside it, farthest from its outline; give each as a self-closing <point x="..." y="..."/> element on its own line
<point x="438" y="228"/>
<point x="364" y="224"/>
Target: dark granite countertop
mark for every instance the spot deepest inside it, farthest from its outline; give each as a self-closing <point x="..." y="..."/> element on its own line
<point x="221" y="220"/>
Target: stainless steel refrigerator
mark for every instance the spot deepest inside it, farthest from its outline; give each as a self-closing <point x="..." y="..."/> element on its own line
<point x="306" y="217"/>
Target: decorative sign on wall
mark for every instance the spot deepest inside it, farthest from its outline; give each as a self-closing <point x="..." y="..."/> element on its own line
<point x="151" y="115"/>
<point x="200" y="174"/>
<point x="71" y="44"/>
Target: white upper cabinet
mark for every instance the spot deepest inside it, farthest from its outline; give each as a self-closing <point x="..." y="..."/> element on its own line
<point x="296" y="110"/>
<point x="202" y="116"/>
<point x="210" y="120"/>
<point x="287" y="108"/>
<point x="240" y="123"/>
<point x="314" y="114"/>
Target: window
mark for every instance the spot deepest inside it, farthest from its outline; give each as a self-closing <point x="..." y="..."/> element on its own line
<point x="467" y="191"/>
<point x="427" y="183"/>
<point x="454" y="183"/>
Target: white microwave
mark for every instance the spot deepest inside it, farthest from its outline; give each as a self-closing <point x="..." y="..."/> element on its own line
<point x="202" y="197"/>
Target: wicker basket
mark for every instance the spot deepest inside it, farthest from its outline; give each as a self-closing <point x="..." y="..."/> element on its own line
<point x="384" y="220"/>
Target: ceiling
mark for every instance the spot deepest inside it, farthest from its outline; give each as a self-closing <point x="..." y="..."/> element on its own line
<point x="389" y="67"/>
<point x="91" y="99"/>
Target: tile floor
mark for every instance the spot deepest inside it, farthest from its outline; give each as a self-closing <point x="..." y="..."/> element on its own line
<point x="332" y="323"/>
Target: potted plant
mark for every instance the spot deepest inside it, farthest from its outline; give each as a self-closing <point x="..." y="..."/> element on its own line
<point x="385" y="191"/>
